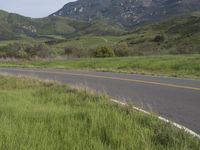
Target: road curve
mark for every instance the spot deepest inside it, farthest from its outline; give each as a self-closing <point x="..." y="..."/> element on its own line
<point x="173" y="98"/>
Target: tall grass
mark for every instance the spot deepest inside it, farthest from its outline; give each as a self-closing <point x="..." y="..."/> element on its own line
<point x="171" y="65"/>
<point x="37" y="115"/>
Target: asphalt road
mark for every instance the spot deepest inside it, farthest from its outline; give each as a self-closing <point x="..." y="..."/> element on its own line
<point x="173" y="98"/>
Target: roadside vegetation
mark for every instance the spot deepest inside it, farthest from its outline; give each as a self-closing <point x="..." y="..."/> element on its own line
<point x="45" y="115"/>
<point x="179" y="35"/>
<point x="169" y="65"/>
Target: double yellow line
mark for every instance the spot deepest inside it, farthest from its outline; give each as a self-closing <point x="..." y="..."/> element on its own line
<point x="115" y="78"/>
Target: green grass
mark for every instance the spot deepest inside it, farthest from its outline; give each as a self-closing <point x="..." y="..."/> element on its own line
<point x="88" y="42"/>
<point x="38" y="115"/>
<point x="170" y="65"/>
<point x="26" y="40"/>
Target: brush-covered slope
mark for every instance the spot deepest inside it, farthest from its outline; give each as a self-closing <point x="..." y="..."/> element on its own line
<point x="127" y="12"/>
<point x="14" y="25"/>
<point x="179" y="35"/>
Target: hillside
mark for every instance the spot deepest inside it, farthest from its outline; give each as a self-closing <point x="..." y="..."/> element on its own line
<point x="14" y="25"/>
<point x="64" y="36"/>
<point x="94" y="17"/>
<point x="179" y="35"/>
<point x="128" y="13"/>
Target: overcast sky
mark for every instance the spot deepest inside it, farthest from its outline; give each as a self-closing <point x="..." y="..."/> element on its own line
<point x="32" y="8"/>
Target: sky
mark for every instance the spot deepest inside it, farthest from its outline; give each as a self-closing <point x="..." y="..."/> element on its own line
<point x="33" y="8"/>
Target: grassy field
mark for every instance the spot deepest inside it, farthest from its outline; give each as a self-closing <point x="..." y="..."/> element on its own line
<point x="85" y="42"/>
<point x="90" y="41"/>
<point x="38" y="115"/>
<point x="178" y="65"/>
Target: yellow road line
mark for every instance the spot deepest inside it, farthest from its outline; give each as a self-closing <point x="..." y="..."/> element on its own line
<point x="120" y="79"/>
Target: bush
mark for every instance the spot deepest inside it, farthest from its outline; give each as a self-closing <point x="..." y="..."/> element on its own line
<point x="79" y="52"/>
<point x="121" y="49"/>
<point x="68" y="50"/>
<point x="39" y="50"/>
<point x="21" y="54"/>
<point x="76" y="51"/>
<point x="3" y="54"/>
<point x="104" y="51"/>
<point x="159" y="38"/>
<point x="15" y="50"/>
<point x="21" y="50"/>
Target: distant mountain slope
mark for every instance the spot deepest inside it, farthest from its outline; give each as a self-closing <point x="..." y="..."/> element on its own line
<point x="178" y="35"/>
<point x="14" y="25"/>
<point x="128" y="13"/>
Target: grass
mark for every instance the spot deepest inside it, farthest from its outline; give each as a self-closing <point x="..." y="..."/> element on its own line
<point x="38" y="115"/>
<point x="89" y="42"/>
<point x="82" y="42"/>
<point x="170" y="65"/>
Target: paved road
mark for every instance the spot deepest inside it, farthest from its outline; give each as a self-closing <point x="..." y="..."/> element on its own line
<point x="172" y="98"/>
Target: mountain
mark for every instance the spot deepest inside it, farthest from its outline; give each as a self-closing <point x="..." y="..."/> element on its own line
<point x="128" y="13"/>
<point x="14" y="25"/>
<point x="94" y="17"/>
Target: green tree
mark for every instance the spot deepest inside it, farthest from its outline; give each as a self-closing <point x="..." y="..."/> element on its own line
<point x="104" y="51"/>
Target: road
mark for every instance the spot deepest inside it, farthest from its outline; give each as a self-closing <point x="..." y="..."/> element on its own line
<point x="173" y="98"/>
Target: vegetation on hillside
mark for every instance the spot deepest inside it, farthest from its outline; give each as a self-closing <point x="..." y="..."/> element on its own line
<point x="180" y="35"/>
<point x="12" y="26"/>
<point x="44" y="115"/>
<point x="69" y="38"/>
<point x="129" y="13"/>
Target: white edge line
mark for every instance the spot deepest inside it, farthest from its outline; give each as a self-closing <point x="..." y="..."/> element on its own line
<point x="161" y="118"/>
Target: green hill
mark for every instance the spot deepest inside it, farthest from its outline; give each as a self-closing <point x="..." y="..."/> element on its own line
<point x="179" y="35"/>
<point x="14" y="25"/>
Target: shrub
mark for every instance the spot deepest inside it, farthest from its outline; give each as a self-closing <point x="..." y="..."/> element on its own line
<point x="159" y="38"/>
<point x="39" y="50"/>
<point x="76" y="51"/>
<point x="3" y="54"/>
<point x="21" y="50"/>
<point x="14" y="50"/>
<point x="121" y="49"/>
<point x="68" y="50"/>
<point x="21" y="54"/>
<point x="104" y="51"/>
<point x="79" y="52"/>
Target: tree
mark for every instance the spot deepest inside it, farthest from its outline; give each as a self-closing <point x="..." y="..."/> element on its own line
<point x="104" y="51"/>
